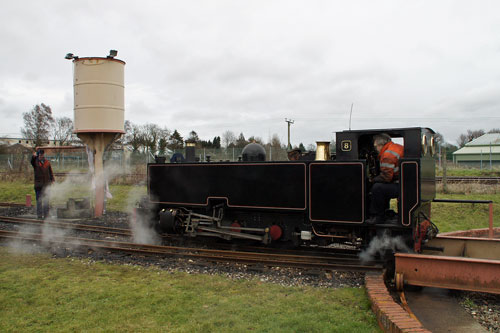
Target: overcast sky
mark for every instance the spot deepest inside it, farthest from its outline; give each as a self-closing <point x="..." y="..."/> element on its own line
<point x="245" y="66"/>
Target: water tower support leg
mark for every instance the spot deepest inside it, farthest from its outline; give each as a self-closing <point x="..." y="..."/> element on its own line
<point x="98" y="143"/>
<point x="99" y="182"/>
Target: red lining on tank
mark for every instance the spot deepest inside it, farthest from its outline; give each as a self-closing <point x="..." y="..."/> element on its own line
<point x="362" y="191"/>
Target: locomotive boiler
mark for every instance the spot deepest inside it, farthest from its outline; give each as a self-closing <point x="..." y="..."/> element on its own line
<point x="297" y="202"/>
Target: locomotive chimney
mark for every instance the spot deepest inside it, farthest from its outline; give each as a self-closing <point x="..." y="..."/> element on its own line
<point x="98" y="110"/>
<point x="322" y="150"/>
<point x="190" y="151"/>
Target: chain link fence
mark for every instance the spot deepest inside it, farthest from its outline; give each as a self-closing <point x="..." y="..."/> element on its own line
<point x="18" y="164"/>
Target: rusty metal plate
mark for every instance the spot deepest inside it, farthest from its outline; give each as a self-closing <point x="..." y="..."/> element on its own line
<point x="449" y="272"/>
<point x="471" y="247"/>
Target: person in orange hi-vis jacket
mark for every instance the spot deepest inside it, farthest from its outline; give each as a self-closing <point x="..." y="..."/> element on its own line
<point x="386" y="183"/>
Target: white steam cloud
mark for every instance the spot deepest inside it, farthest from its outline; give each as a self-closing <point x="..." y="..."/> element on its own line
<point x="50" y="237"/>
<point x="380" y="244"/>
<point x="142" y="230"/>
<point x="73" y="185"/>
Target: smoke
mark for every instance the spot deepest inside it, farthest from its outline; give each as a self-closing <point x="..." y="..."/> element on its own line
<point x="382" y="243"/>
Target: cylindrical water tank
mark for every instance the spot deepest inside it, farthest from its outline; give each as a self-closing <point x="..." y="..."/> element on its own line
<point x="99" y="95"/>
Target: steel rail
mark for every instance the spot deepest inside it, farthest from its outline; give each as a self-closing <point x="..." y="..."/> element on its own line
<point x="65" y="225"/>
<point x="11" y="204"/>
<point x="478" y="180"/>
<point x="266" y="259"/>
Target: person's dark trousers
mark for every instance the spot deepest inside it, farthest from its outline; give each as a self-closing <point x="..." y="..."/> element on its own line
<point x="382" y="193"/>
<point x="42" y="203"/>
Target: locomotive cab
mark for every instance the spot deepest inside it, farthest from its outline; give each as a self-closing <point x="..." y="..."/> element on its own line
<point x="417" y="171"/>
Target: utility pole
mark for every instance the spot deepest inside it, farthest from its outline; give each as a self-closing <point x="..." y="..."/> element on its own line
<point x="289" y="121"/>
<point x="350" y="116"/>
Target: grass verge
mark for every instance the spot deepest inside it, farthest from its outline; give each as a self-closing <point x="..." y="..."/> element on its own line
<point x="453" y="171"/>
<point x="452" y="216"/>
<point x="41" y="294"/>
<point x="124" y="196"/>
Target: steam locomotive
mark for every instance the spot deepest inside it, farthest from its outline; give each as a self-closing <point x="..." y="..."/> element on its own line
<point x="296" y="202"/>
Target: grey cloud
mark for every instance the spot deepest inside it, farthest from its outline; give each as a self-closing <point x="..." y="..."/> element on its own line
<point x="246" y="66"/>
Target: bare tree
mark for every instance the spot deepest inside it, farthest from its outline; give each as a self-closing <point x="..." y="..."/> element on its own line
<point x="241" y="142"/>
<point x="163" y="140"/>
<point x="37" y="124"/>
<point x="471" y="135"/>
<point x="127" y="127"/>
<point x="151" y="136"/>
<point x="494" y="130"/>
<point x="462" y="140"/>
<point x="62" y="131"/>
<point x="134" y="137"/>
<point x="275" y="141"/>
<point x="439" y="139"/>
<point x="228" y="138"/>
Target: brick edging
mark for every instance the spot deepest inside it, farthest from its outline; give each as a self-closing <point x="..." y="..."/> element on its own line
<point x="390" y="315"/>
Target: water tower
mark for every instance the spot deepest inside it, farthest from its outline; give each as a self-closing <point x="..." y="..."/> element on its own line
<point x="99" y="112"/>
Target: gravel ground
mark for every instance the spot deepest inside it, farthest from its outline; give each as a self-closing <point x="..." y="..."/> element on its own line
<point x="484" y="307"/>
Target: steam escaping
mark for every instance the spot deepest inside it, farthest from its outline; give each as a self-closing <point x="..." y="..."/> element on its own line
<point x="71" y="186"/>
<point x="51" y="237"/>
<point x="142" y="230"/>
<point x="380" y="244"/>
<point x="19" y="246"/>
<point x="75" y="185"/>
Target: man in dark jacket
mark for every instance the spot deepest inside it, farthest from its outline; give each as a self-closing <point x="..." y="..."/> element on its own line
<point x="43" y="178"/>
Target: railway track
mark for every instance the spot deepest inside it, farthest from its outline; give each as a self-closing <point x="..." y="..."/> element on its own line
<point x="341" y="252"/>
<point x="470" y="180"/>
<point x="66" y="225"/>
<point x="11" y="204"/>
<point x="342" y="261"/>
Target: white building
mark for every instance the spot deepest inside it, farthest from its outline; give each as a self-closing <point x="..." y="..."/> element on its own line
<point x="481" y="152"/>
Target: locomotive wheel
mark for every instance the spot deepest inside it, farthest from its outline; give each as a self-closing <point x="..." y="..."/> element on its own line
<point x="399" y="281"/>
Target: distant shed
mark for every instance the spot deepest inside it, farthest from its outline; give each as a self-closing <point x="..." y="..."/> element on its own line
<point x="480" y="152"/>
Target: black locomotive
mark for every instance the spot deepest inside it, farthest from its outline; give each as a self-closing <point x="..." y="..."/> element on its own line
<point x="297" y="202"/>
